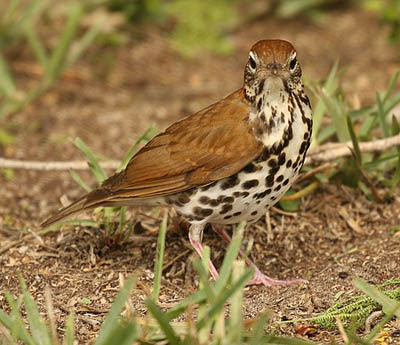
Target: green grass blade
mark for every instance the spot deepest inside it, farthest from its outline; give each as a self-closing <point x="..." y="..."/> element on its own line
<point x="7" y="83"/>
<point x="94" y="165"/>
<point x="392" y="83"/>
<point x="381" y="116"/>
<point x="221" y="299"/>
<point x="205" y="284"/>
<point x="163" y="322"/>
<point x="29" y="14"/>
<point x="57" y="60"/>
<point x="123" y="333"/>
<point x="159" y="258"/>
<point x="389" y="306"/>
<point x="148" y="134"/>
<point x="354" y="140"/>
<point x="83" y="45"/>
<point x="236" y="313"/>
<point x="10" y="12"/>
<point x="17" y="327"/>
<point x="113" y="315"/>
<point x="69" y="338"/>
<point x="80" y="181"/>
<point x="39" y="330"/>
<point x="330" y="86"/>
<point x="180" y="308"/>
<point x="259" y="330"/>
<point x="375" y="162"/>
<point x="37" y="46"/>
<point x="230" y="257"/>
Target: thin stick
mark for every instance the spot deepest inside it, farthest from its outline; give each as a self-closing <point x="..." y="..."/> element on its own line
<point x="324" y="153"/>
<point x="331" y="152"/>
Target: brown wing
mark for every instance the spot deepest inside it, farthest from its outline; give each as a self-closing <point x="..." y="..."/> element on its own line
<point x="209" y="145"/>
<point x="212" y="144"/>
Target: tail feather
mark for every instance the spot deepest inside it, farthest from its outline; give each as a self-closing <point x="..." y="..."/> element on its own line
<point x="89" y="201"/>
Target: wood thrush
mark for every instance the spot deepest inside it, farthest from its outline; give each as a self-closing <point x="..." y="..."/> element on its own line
<point x="226" y="163"/>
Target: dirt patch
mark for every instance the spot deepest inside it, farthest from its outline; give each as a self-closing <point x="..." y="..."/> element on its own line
<point x="149" y="83"/>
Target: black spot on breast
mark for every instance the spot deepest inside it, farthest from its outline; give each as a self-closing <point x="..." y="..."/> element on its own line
<point x="228" y="217"/>
<point x="272" y="163"/>
<point x="214" y="202"/>
<point x="250" y="184"/>
<point x="202" y="212"/>
<point x="282" y="158"/>
<point x="183" y="198"/>
<point x="303" y="147"/>
<point x="204" y="200"/>
<point x="269" y="180"/>
<point x="228" y="199"/>
<point x="236" y="194"/>
<point x="290" y="133"/>
<point x="286" y="182"/>
<point x="273" y="171"/>
<point x="264" y="155"/>
<point x="237" y="214"/>
<point x="277" y="188"/>
<point x="259" y="105"/>
<point x="244" y="194"/>
<point x="279" y="178"/>
<point x="263" y="194"/>
<point x="253" y="213"/>
<point x="250" y="168"/>
<point x="305" y="135"/>
<point x="230" y="182"/>
<point x="289" y="163"/>
<point x="225" y="208"/>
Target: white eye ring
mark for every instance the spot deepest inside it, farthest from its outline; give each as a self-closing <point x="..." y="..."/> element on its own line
<point x="293" y="62"/>
<point x="252" y="61"/>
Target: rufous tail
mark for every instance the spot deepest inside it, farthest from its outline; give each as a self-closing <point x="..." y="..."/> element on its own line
<point x="96" y="198"/>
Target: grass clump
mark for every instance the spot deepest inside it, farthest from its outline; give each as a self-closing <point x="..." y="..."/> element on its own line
<point x="213" y="314"/>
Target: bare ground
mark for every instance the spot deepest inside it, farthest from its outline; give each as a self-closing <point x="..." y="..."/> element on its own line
<point x="109" y="99"/>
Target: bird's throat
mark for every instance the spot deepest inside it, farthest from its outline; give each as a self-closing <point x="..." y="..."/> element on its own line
<point x="270" y="117"/>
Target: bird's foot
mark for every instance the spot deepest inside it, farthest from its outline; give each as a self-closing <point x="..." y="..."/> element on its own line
<point x="260" y="278"/>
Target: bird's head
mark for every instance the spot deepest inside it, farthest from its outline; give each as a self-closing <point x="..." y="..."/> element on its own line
<point x="272" y="66"/>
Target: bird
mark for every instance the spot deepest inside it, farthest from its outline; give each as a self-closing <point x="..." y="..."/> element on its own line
<point x="227" y="163"/>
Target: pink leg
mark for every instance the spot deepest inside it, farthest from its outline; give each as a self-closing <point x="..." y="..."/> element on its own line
<point x="199" y="249"/>
<point x="259" y="277"/>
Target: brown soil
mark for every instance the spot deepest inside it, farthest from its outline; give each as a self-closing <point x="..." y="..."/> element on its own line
<point x="110" y="99"/>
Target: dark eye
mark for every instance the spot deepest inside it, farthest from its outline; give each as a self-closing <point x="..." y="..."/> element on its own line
<point x="293" y="64"/>
<point x="252" y="63"/>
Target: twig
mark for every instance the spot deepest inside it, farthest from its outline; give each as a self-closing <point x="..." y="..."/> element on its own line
<point x="330" y="152"/>
<point x="324" y="153"/>
<point x="35" y="165"/>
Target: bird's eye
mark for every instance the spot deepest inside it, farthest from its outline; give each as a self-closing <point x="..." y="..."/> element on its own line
<point x="293" y="64"/>
<point x="252" y="62"/>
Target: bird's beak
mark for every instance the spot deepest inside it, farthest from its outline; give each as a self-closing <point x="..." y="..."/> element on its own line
<point x="275" y="69"/>
<point x="272" y="70"/>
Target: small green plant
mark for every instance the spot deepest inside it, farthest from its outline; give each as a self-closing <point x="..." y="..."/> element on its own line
<point x="112" y="218"/>
<point x="310" y="8"/>
<point x="334" y="119"/>
<point x="19" y="21"/>
<point x="202" y="25"/>
<point x="138" y="10"/>
<point x="355" y="310"/>
<point x="389" y="14"/>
